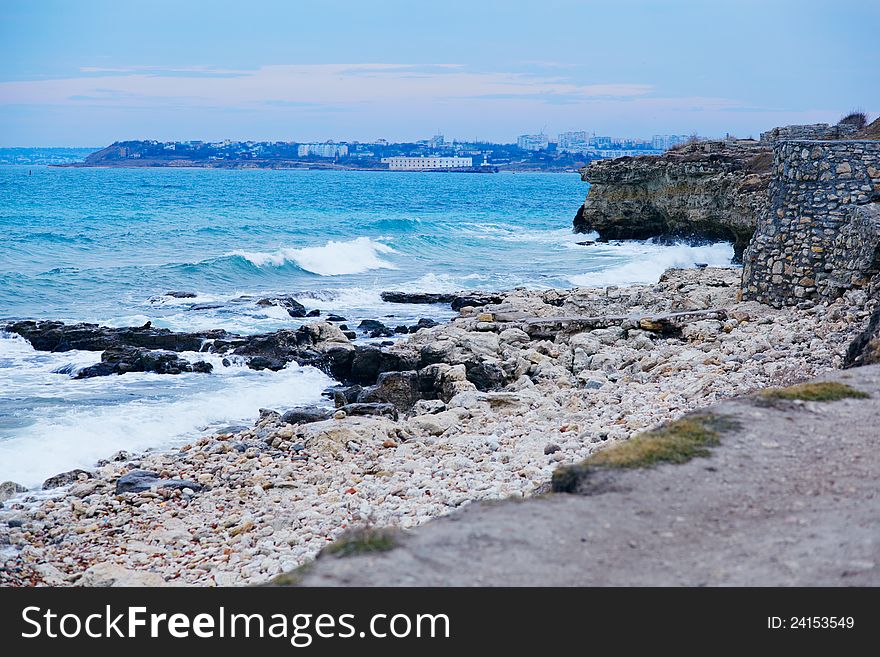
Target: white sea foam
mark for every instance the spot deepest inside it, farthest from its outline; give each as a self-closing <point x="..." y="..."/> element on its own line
<point x="646" y="262"/>
<point x="74" y="423"/>
<point x="333" y="259"/>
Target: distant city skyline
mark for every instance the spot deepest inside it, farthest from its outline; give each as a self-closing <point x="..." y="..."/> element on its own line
<point x="93" y="72"/>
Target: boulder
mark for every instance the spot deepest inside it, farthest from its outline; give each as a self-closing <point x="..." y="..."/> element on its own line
<point x="382" y="410"/>
<point x="65" y="478"/>
<point x="293" y="307"/>
<point x="306" y="414"/>
<point x="138" y="481"/>
<point x="10" y="489"/>
<point x="124" y="359"/>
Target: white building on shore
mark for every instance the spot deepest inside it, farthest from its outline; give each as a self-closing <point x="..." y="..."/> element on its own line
<point x="401" y="163"/>
<point x="533" y="142"/>
<point x="329" y="149"/>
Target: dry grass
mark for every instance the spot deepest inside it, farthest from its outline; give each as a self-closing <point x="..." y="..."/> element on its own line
<point x="362" y="540"/>
<point x="675" y="442"/>
<point x="825" y="391"/>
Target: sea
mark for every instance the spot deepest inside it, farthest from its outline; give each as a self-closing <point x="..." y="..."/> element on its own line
<point x="107" y="245"/>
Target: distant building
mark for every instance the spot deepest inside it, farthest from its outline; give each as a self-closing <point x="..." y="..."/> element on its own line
<point x="573" y="142"/>
<point x="665" y="142"/>
<point x="533" y="142"/>
<point x="329" y="150"/>
<point x="436" y="141"/>
<point x="402" y="163"/>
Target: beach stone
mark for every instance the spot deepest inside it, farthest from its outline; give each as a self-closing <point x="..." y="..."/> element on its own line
<point x="114" y="575"/>
<point x="380" y="409"/>
<point x="66" y="478"/>
<point x="293" y="307"/>
<point x="305" y="414"/>
<point x="138" y="481"/>
<point x="10" y="489"/>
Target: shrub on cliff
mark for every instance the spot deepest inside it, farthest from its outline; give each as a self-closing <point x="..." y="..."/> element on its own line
<point x="858" y="118"/>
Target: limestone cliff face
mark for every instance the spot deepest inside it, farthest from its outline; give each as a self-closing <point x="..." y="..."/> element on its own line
<point x="704" y="191"/>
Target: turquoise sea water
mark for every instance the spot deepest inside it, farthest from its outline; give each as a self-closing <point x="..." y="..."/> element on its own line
<point x="105" y="245"/>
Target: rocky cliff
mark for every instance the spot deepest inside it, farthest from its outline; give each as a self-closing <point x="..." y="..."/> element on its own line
<point x="705" y="191"/>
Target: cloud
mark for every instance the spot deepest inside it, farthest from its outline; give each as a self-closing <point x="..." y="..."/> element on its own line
<point x="295" y="84"/>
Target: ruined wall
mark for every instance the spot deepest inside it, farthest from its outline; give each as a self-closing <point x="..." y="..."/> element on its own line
<point x="814" y="131"/>
<point x="819" y="235"/>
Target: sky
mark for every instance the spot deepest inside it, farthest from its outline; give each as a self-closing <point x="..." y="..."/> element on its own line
<point x="90" y="72"/>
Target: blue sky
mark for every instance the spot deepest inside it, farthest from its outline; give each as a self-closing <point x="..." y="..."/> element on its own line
<point x="90" y="72"/>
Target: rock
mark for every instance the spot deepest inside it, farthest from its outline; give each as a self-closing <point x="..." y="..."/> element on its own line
<point x="306" y="414"/>
<point x="66" y="478"/>
<point x="113" y="575"/>
<point x="425" y="322"/>
<point x="475" y="299"/>
<point x="260" y="363"/>
<point x="704" y="191"/>
<point x="57" y="336"/>
<point x="346" y="395"/>
<point x="336" y="318"/>
<point x="382" y="410"/>
<point x="428" y="406"/>
<point x="416" y="297"/>
<point x="865" y="348"/>
<point x="485" y="375"/>
<point x="202" y="367"/>
<point x="138" y="481"/>
<point x="313" y="313"/>
<point x="293" y="307"/>
<point x="375" y="328"/>
<point x="434" y="424"/>
<point x="402" y="389"/>
<point x="551" y="448"/>
<point x="121" y="360"/>
<point x="181" y="295"/>
<point x="9" y="489"/>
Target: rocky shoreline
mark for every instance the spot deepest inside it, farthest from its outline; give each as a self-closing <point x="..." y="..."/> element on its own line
<point x="485" y="406"/>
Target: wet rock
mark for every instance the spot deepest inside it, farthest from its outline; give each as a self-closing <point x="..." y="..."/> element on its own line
<point x="10" y="489"/>
<point x="313" y="313"/>
<point x="379" y="409"/>
<point x="475" y="299"/>
<point x="306" y="414"/>
<point x="293" y="307"/>
<point x="416" y="297"/>
<point x="181" y="295"/>
<point x="375" y="328"/>
<point x="202" y="367"/>
<point x="138" y="481"/>
<point x="66" y="478"/>
<point x="336" y="318"/>
<point x="58" y="336"/>
<point x="260" y="363"/>
<point x="121" y="360"/>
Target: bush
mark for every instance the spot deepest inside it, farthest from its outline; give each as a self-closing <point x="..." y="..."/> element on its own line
<point x="858" y="118"/>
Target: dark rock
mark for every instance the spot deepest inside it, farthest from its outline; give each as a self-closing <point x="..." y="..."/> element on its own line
<point x="120" y="360"/>
<point x="402" y="389"/>
<point x="260" y="363"/>
<point x="475" y="299"/>
<point x="205" y="306"/>
<point x="369" y="362"/>
<point x="416" y="297"/>
<point x="336" y="318"/>
<point x="424" y="322"/>
<point x="57" y="336"/>
<point x="138" y="481"/>
<point x="375" y="328"/>
<point x="202" y="367"/>
<point x="65" y="478"/>
<point x="380" y="409"/>
<point x="401" y="329"/>
<point x="181" y="295"/>
<point x="485" y="375"/>
<point x="551" y="448"/>
<point x="313" y="313"/>
<point x="305" y="415"/>
<point x="346" y="395"/>
<point x="293" y="307"/>
<point x="865" y="348"/>
<point x="226" y="362"/>
<point x="297" y="447"/>
<point x="351" y="335"/>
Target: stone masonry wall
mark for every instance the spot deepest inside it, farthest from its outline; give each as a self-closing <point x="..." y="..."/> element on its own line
<point x="814" y="131"/>
<point x="820" y="233"/>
